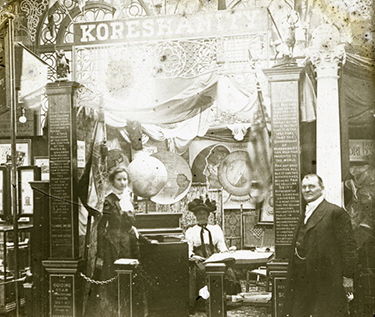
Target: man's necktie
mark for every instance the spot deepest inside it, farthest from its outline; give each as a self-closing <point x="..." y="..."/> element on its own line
<point x="202" y="239"/>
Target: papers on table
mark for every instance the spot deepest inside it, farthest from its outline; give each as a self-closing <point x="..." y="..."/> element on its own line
<point x="241" y="257"/>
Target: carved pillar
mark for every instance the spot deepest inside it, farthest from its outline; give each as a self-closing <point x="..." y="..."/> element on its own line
<point x="64" y="265"/>
<point x="125" y="273"/>
<point x="285" y="95"/>
<point x="217" y="299"/>
<point x="326" y="55"/>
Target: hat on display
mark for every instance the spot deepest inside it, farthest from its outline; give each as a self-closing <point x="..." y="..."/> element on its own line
<point x="197" y="204"/>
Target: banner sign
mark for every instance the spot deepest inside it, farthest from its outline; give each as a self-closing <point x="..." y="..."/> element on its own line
<point x="361" y="150"/>
<point x="202" y="24"/>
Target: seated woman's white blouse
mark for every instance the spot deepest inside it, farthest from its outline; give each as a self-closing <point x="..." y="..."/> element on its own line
<point x="193" y="237"/>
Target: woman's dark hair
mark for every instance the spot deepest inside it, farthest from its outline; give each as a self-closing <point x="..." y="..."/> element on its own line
<point x="115" y="171"/>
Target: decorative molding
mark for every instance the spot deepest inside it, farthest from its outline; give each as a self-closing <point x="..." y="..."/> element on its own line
<point x="325" y="52"/>
<point x="34" y="10"/>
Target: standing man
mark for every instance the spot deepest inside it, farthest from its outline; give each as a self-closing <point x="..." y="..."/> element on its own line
<point x="321" y="269"/>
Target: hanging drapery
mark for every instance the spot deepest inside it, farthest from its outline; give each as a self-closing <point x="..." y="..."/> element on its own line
<point x="181" y="136"/>
<point x="359" y="90"/>
<point x="154" y="105"/>
<point x="192" y="106"/>
<point x="230" y="97"/>
<point x="308" y="100"/>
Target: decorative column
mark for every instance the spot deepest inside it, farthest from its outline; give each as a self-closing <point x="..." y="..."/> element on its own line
<point x="326" y="55"/>
<point x="217" y="300"/>
<point x="64" y="265"/>
<point x="125" y="273"/>
<point x="285" y="105"/>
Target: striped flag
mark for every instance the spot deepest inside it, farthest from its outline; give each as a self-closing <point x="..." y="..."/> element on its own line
<point x="91" y="191"/>
<point x="92" y="184"/>
<point x="259" y="148"/>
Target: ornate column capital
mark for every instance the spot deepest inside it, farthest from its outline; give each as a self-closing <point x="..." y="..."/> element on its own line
<point x="325" y="52"/>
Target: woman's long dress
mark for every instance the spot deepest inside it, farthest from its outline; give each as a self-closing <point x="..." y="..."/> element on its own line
<point x="116" y="239"/>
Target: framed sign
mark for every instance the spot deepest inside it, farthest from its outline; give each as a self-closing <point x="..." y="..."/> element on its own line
<point x="43" y="163"/>
<point x="23" y="148"/>
<point x="27" y="174"/>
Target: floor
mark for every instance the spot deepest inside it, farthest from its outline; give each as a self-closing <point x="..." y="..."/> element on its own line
<point x="242" y="311"/>
<point x="247" y="308"/>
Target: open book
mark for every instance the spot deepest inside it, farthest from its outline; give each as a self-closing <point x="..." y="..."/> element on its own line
<point x="241" y="257"/>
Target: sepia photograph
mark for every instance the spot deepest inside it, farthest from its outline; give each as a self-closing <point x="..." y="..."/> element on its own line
<point x="187" y="158"/>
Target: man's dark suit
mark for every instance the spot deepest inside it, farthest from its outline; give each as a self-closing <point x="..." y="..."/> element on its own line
<point x="330" y="254"/>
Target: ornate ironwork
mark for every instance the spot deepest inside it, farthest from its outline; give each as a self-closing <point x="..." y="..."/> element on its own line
<point x="43" y="111"/>
<point x="50" y="59"/>
<point x="34" y="10"/>
<point x="130" y="68"/>
<point x="186" y="58"/>
<point x="165" y="59"/>
<point x="170" y="59"/>
<point x="126" y="70"/>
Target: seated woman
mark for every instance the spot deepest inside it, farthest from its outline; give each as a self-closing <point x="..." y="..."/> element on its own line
<point x="204" y="240"/>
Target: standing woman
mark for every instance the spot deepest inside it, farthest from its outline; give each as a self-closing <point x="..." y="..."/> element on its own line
<point x="117" y="238"/>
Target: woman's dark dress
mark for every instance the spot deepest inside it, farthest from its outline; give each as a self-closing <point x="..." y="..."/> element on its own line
<point x="117" y="239"/>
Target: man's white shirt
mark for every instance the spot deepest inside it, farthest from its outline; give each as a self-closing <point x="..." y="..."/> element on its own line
<point x="311" y="206"/>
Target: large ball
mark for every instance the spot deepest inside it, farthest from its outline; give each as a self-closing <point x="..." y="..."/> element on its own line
<point x="148" y="176"/>
<point x="179" y="178"/>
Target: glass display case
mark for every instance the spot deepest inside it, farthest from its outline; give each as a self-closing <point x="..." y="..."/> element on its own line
<point x="7" y="264"/>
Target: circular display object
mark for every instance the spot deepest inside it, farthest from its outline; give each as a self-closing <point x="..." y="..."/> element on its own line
<point x="235" y="173"/>
<point x="179" y="178"/>
<point x="148" y="176"/>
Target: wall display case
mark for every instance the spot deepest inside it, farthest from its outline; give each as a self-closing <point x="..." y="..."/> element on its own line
<point x="23" y="148"/>
<point x="7" y="264"/>
<point x="26" y="174"/>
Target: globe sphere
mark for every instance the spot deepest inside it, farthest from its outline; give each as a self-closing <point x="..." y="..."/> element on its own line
<point x="179" y="178"/>
<point x="148" y="176"/>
